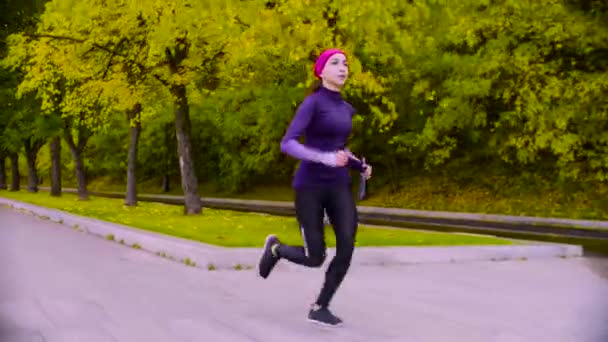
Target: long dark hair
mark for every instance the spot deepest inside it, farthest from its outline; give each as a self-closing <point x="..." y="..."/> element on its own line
<point x="314" y="86"/>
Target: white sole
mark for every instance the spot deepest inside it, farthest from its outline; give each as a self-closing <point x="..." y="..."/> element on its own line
<point x="325" y="324"/>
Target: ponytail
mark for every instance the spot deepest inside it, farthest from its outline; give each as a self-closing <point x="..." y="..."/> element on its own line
<point x="314" y="87"/>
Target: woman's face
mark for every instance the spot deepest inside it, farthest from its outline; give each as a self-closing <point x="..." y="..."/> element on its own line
<point x="335" y="71"/>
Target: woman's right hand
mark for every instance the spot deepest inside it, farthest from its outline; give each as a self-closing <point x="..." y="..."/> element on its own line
<point x="334" y="159"/>
<point x="341" y="158"/>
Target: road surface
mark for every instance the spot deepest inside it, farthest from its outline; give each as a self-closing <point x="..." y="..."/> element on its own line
<point x="60" y="285"/>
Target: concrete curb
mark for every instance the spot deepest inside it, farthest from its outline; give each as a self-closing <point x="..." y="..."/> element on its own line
<point x="207" y="256"/>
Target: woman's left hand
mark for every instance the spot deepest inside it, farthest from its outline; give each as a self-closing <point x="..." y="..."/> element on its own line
<point x="368" y="171"/>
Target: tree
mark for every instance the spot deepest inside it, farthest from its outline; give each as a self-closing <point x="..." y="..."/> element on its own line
<point x="34" y="135"/>
<point x="518" y="81"/>
<point x="439" y="86"/>
<point x="173" y="42"/>
<point x="12" y="132"/>
<point x="269" y="66"/>
<point x="55" y="151"/>
<point x="187" y="40"/>
<point x="16" y="16"/>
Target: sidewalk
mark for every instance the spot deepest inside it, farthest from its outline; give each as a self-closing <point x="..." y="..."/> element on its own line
<point x="60" y="285"/>
<point x="209" y="256"/>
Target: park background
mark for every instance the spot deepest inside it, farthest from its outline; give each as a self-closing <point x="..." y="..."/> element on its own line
<point x="476" y="105"/>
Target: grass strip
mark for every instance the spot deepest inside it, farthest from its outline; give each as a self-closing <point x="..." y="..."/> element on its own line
<point x="232" y="228"/>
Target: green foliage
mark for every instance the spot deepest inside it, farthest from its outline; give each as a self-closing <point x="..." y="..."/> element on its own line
<point x="246" y="125"/>
<point x="438" y="85"/>
<point x="513" y="80"/>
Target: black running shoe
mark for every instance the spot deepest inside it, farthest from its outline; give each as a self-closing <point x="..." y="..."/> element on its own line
<point x="268" y="259"/>
<point x="323" y="316"/>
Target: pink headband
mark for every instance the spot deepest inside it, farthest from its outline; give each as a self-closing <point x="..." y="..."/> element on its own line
<point x="323" y="58"/>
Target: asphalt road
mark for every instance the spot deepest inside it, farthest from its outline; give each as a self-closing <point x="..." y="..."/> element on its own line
<point x="62" y="285"/>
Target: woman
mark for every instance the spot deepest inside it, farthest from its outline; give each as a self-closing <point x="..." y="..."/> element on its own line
<point x="322" y="182"/>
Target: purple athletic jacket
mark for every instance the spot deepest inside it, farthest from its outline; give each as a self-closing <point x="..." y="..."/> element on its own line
<point x="325" y="121"/>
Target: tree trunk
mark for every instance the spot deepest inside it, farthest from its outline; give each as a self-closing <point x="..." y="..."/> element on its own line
<point x="3" y="171"/>
<point x="15" y="184"/>
<point x="56" y="167"/>
<point x="31" y="152"/>
<point x="32" y="172"/>
<point x="83" y="194"/>
<point x="135" y="128"/>
<point x="192" y="199"/>
<point x="166" y="185"/>
<point x="76" y="151"/>
<point x="167" y="167"/>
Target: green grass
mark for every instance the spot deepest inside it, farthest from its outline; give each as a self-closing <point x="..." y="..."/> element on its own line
<point x="230" y="228"/>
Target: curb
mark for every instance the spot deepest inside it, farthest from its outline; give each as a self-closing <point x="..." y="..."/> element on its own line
<point x="205" y="256"/>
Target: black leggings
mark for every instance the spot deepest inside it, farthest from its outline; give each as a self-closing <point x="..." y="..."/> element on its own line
<point x="340" y="206"/>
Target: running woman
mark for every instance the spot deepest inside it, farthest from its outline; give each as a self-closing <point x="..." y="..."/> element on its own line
<point x="322" y="182"/>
